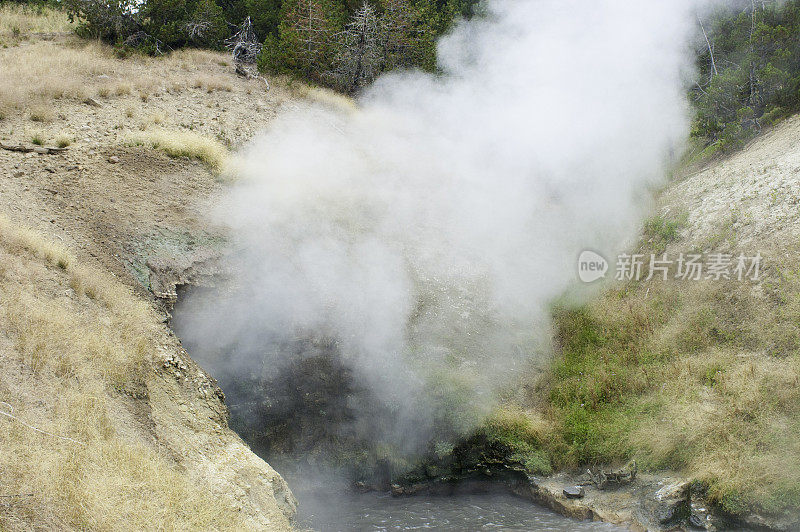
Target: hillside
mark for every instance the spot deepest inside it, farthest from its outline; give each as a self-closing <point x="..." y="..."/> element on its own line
<point x="108" y="424"/>
<point x="698" y="377"/>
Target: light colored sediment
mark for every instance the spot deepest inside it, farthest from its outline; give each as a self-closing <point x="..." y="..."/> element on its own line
<point x="139" y="215"/>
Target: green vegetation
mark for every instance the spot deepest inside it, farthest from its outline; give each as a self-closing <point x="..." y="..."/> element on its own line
<point x="695" y="377"/>
<point x="316" y="40"/>
<point x="659" y="232"/>
<point x="748" y="53"/>
<point x="749" y="72"/>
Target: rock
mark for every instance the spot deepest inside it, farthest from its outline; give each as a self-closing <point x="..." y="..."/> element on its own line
<point x="113" y="159"/>
<point x="695" y="521"/>
<point x="92" y="102"/>
<point x="573" y="492"/>
<point x="672" y="503"/>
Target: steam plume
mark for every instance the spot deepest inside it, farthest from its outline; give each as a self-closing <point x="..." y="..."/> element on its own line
<point x="427" y="232"/>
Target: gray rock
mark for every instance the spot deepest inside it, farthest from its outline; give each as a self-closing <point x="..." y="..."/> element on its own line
<point x="573" y="492"/>
<point x="113" y="159"/>
<point x="695" y="521"/>
<point x="672" y="503"/>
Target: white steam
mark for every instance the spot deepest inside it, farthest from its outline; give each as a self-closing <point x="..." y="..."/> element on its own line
<point x="428" y="231"/>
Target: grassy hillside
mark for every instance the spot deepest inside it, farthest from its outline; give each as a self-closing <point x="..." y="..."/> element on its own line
<point x="75" y="350"/>
<point x="105" y="422"/>
<point x="697" y="377"/>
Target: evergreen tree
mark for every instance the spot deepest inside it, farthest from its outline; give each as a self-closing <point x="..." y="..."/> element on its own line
<point x="166" y="20"/>
<point x="407" y="39"/>
<point x="360" y="52"/>
<point x="306" y="36"/>
<point x="265" y="14"/>
<point x="207" y="27"/>
<point x="749" y="71"/>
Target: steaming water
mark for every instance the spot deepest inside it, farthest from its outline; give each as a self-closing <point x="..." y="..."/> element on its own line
<point x="426" y="234"/>
<point x="415" y="245"/>
<point x="495" y="511"/>
<point x="334" y="507"/>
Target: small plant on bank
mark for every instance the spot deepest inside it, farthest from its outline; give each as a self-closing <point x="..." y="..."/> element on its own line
<point x="176" y="143"/>
<point x="41" y="113"/>
<point x="63" y="140"/>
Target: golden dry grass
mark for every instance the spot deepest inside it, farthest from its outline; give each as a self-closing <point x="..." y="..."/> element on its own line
<point x="702" y="378"/>
<point x="72" y="358"/>
<point x="42" y="113"/>
<point x="17" y="20"/>
<point x="44" y="71"/>
<point x="180" y="143"/>
<point x="64" y="139"/>
<point x="212" y="83"/>
<point x="191" y="59"/>
<point x="729" y="398"/>
<point x="328" y="98"/>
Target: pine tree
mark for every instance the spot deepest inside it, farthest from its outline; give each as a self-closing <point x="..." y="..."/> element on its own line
<point x="207" y="26"/>
<point x="407" y="40"/>
<point x="306" y="36"/>
<point x="266" y="16"/>
<point x="359" y="56"/>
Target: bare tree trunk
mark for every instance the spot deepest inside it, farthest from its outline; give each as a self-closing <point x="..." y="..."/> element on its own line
<point x="753" y="91"/>
<point x="710" y="51"/>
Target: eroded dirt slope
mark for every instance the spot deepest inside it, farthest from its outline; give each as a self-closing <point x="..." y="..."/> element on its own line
<point x="122" y="212"/>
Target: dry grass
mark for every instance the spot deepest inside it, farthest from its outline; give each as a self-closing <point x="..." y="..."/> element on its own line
<point x="698" y="377"/>
<point x="157" y="118"/>
<point x="38" y="137"/>
<point x="71" y="358"/>
<point x="43" y="71"/>
<point x="64" y="139"/>
<point x="121" y="89"/>
<point x="211" y="83"/>
<point x="731" y="421"/>
<point x="42" y="113"/>
<point x="18" y="20"/>
<point x="191" y="59"/>
<point x="728" y="400"/>
<point x="179" y="143"/>
<point x="327" y="97"/>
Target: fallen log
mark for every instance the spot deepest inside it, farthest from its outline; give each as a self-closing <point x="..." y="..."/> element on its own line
<point x="44" y="150"/>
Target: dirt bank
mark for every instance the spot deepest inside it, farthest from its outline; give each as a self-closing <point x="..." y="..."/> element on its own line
<point x="119" y="212"/>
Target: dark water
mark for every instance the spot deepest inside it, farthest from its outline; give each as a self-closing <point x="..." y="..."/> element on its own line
<point x="335" y="507"/>
<point x="484" y="511"/>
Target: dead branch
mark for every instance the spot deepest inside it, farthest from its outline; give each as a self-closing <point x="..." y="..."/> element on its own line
<point x="244" y="45"/>
<point x="710" y="50"/>
<point x="44" y="150"/>
<point x="250" y="72"/>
